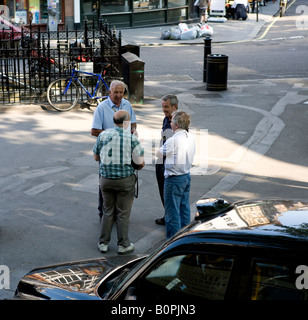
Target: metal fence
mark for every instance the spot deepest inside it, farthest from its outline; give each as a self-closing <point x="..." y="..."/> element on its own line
<point x="31" y="59"/>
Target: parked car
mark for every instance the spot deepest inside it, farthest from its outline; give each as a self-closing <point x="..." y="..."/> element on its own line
<point x="247" y="250"/>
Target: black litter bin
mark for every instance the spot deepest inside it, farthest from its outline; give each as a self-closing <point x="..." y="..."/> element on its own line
<point x="216" y="72"/>
<point x="133" y="76"/>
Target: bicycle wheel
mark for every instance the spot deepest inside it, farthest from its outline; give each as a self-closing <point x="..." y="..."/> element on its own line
<point x="102" y="92"/>
<point x="58" y="99"/>
<point x="126" y="92"/>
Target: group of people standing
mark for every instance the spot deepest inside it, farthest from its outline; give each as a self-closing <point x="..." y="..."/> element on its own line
<point x="119" y="153"/>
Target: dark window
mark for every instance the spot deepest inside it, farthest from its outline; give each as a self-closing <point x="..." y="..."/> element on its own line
<point x="197" y="275"/>
<point x="275" y="281"/>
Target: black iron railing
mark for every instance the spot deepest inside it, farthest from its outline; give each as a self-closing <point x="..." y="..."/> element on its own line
<point x="30" y="59"/>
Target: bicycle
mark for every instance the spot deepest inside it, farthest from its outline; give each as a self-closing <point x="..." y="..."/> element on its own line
<point x="63" y="93"/>
<point x="35" y="50"/>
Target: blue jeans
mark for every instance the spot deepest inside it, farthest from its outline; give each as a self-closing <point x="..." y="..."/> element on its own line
<point x="177" y="207"/>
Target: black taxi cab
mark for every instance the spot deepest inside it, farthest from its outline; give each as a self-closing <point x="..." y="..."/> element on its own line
<point x="247" y="250"/>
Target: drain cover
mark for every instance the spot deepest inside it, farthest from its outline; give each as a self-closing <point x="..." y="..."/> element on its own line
<point x="169" y="77"/>
<point x="209" y="95"/>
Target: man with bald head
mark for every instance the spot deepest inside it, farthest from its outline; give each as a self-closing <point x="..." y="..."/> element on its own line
<point x="103" y="118"/>
<point x="115" y="149"/>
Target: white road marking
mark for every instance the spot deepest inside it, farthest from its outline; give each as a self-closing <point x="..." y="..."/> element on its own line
<point x="14" y="181"/>
<point x="39" y="188"/>
<point x="255" y="148"/>
<point x="88" y="184"/>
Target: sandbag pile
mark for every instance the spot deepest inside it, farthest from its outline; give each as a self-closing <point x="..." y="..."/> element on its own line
<point x="184" y="32"/>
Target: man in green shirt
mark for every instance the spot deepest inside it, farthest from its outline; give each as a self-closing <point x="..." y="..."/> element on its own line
<point x="116" y="149"/>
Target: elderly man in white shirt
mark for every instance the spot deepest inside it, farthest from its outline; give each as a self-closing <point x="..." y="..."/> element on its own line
<point x="179" y="151"/>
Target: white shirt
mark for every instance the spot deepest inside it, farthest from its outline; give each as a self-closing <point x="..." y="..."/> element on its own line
<point x="179" y="151"/>
<point x="236" y="2"/>
<point x="103" y="114"/>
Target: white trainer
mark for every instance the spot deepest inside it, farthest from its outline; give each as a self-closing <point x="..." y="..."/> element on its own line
<point x="102" y="247"/>
<point x="124" y="250"/>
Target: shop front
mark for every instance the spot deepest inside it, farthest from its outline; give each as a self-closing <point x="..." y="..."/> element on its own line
<point x="131" y="13"/>
<point x="118" y="13"/>
<point x="36" y="12"/>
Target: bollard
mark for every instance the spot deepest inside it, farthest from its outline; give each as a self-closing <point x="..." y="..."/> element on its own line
<point x="131" y="47"/>
<point x="133" y="76"/>
<point x="207" y="50"/>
